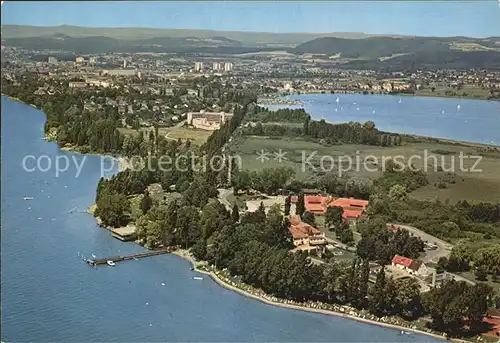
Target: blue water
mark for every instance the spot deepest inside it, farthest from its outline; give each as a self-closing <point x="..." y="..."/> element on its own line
<point x="475" y="121"/>
<point x="49" y="294"/>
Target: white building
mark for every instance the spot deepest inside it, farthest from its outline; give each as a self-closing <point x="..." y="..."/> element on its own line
<point x="414" y="267"/>
<point x="216" y="66"/>
<point x="228" y="66"/>
<point x="208" y="120"/>
<point x="80" y="59"/>
<point x="52" y="60"/>
<point x="198" y="66"/>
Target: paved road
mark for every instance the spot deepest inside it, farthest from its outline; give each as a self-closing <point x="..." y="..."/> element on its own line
<point x="443" y="248"/>
<point x="223" y="194"/>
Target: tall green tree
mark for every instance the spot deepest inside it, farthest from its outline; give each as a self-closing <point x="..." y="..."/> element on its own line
<point x="300" y="206"/>
<point x="333" y="216"/>
<point x="235" y="214"/>
<point x="288" y="204"/>
<point x="146" y="202"/>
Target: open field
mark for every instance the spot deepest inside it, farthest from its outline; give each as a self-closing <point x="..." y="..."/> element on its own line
<point x="464" y="92"/>
<point x="470" y="276"/>
<point x="310" y="160"/>
<point x="196" y="136"/>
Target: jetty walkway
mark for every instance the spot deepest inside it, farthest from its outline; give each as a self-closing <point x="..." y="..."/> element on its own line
<point x="100" y="261"/>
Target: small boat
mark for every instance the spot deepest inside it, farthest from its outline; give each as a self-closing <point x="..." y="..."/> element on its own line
<point x="192" y="268"/>
<point x="197" y="278"/>
<point x="28" y="198"/>
<point x="110" y="263"/>
<point x="400" y="101"/>
<point x="163" y="283"/>
<point x="405" y="332"/>
<point x="93" y="255"/>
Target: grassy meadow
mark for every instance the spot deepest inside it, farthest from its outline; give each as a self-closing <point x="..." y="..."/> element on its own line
<point x="454" y="182"/>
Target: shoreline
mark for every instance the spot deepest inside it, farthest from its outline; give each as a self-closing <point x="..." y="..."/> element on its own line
<point x="346" y="92"/>
<point x="225" y="284"/>
<point x="183" y="254"/>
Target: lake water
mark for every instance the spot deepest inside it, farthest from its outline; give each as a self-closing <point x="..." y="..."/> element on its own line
<point x="460" y="119"/>
<point x="50" y="294"/>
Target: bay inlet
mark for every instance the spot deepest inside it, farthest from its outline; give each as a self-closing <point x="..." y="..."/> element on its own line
<point x="468" y="120"/>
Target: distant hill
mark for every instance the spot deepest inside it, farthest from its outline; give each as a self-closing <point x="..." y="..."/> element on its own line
<point x="100" y="44"/>
<point x="245" y="37"/>
<point x="378" y="47"/>
<point x="356" y="50"/>
<point x="451" y="59"/>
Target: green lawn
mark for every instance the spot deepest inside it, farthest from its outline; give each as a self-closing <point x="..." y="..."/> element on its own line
<point x="472" y="186"/>
<point x="471" y="91"/>
<point x="470" y="276"/>
<point x="158" y="196"/>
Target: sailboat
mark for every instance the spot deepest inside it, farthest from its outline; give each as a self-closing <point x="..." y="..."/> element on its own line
<point x="400" y="101"/>
<point x="339" y="99"/>
<point x="458" y="107"/>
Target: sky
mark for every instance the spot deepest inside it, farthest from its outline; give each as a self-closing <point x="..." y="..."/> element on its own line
<point x="422" y="18"/>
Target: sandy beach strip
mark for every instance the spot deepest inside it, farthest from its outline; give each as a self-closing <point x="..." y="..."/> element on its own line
<point x="224" y="284"/>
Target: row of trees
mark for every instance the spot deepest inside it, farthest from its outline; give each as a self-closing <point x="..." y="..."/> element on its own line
<point x="267" y="180"/>
<point x="346" y="133"/>
<point x="380" y="244"/>
<point x="284" y="115"/>
<point x="467" y="254"/>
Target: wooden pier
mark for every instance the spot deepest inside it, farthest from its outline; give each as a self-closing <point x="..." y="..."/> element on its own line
<point x="99" y="261"/>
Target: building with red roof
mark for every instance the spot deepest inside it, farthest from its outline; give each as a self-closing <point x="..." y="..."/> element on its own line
<point x="318" y="204"/>
<point x="412" y="266"/>
<point x="305" y="234"/>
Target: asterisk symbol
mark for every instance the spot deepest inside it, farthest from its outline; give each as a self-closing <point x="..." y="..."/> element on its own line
<point x="280" y="156"/>
<point x="262" y="155"/>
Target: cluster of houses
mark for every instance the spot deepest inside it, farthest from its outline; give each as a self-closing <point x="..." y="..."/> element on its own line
<point x="318" y="205"/>
<point x="304" y="234"/>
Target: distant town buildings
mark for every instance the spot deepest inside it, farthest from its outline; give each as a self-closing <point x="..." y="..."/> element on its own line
<point x="198" y="66"/>
<point x="120" y="72"/>
<point x="228" y="66"/>
<point x="208" y="120"/>
<point x="287" y="86"/>
<point x="80" y="59"/>
<point x="92" y="60"/>
<point x="124" y="64"/>
<point x="77" y="84"/>
<point x="52" y="60"/>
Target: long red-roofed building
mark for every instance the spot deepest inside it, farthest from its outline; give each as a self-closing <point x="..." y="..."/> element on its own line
<point x="318" y="204"/>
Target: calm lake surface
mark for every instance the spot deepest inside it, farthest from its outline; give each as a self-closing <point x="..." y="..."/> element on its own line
<point x="460" y="119"/>
<point x="50" y="294"/>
